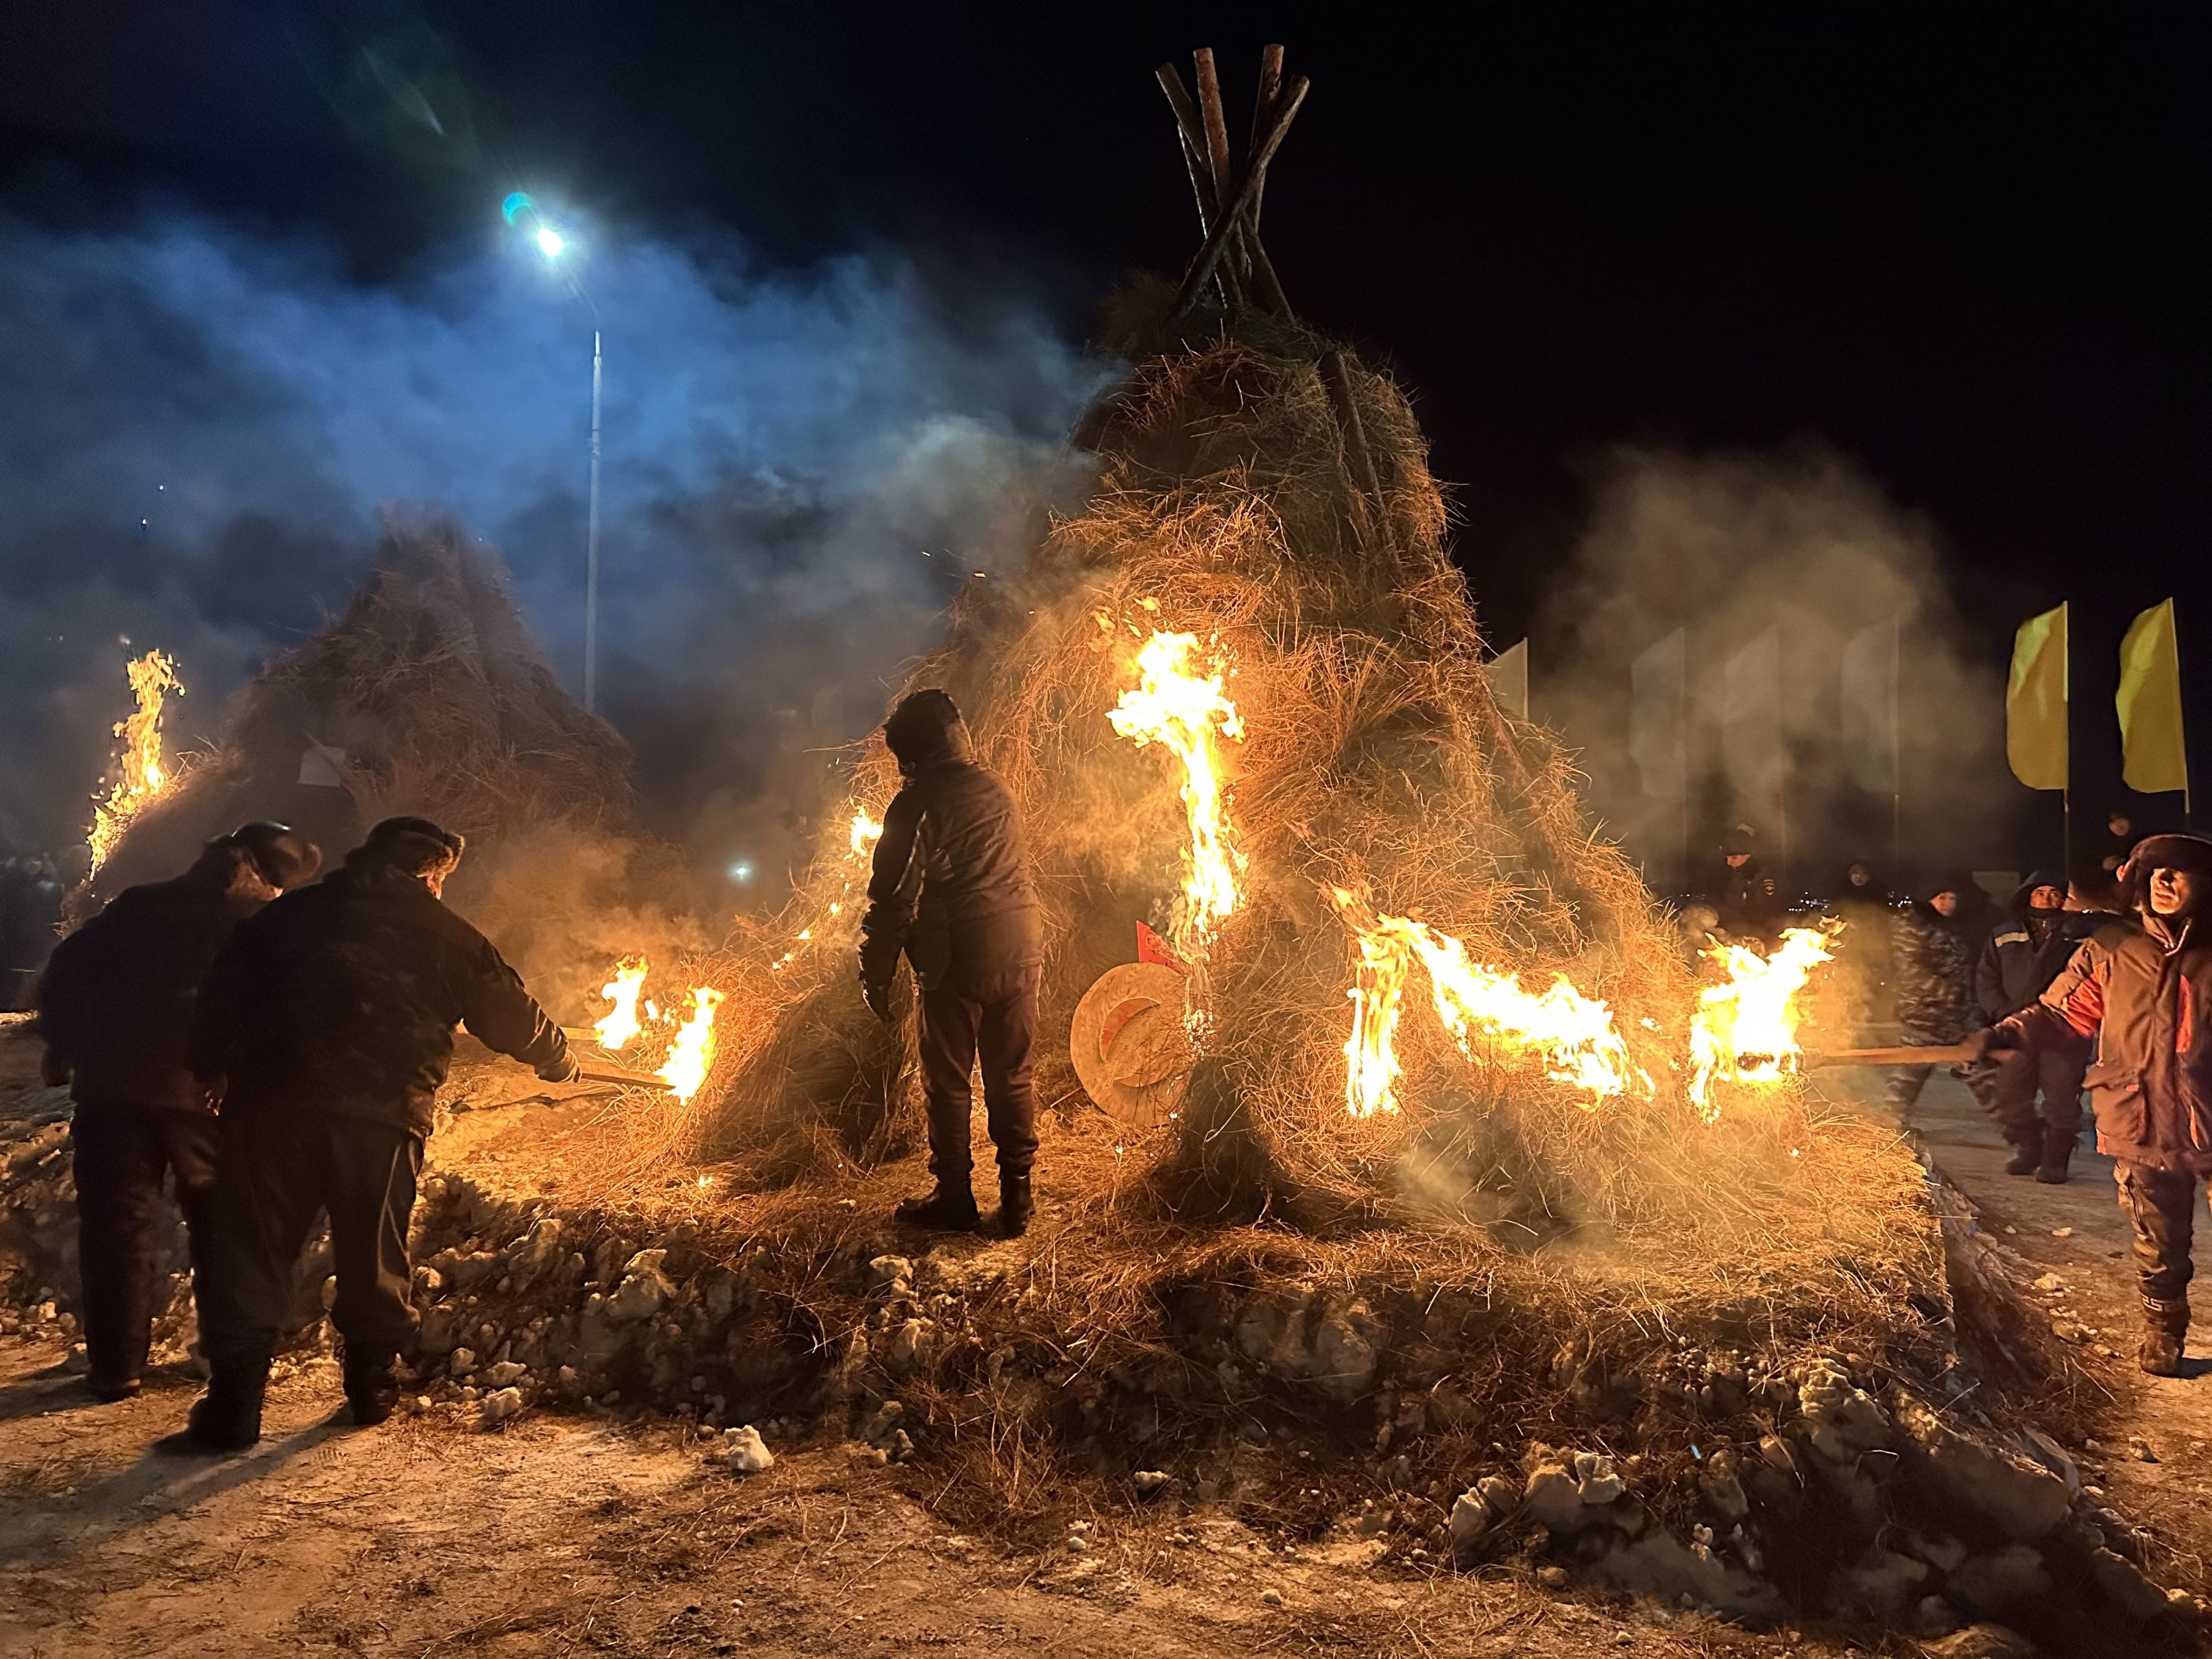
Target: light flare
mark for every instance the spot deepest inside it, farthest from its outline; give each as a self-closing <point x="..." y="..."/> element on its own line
<point x="141" y="774"/>
<point x="1745" y="1028"/>
<point x="692" y="1055"/>
<point x="866" y="832"/>
<point x="1571" y="1035"/>
<point x="1176" y="704"/>
<point x="621" y="1022"/>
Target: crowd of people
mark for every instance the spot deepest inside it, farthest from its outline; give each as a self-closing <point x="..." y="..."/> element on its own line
<point x="2098" y="981"/>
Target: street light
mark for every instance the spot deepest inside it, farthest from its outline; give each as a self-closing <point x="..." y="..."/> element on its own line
<point x="553" y="245"/>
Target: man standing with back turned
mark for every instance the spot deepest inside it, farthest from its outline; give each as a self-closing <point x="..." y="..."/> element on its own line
<point x="327" y="1022"/>
<point x="950" y="890"/>
<point x="114" y="1008"/>
<point x="2142" y="989"/>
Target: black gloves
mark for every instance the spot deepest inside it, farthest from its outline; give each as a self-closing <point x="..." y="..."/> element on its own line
<point x="563" y="1070"/>
<point x="878" y="999"/>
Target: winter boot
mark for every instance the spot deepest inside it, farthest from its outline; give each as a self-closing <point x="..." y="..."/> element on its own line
<point x="2166" y="1328"/>
<point x="1016" y="1205"/>
<point x="109" y="1390"/>
<point x="2057" y="1153"/>
<point x="372" y="1389"/>
<point x="226" y="1418"/>
<point x="2026" y="1156"/>
<point x="949" y="1209"/>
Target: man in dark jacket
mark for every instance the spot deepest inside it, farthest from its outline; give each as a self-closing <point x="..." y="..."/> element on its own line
<point x="1750" y="904"/>
<point x="328" y="1022"/>
<point x="114" y="1007"/>
<point x="2140" y="989"/>
<point x="1933" y="971"/>
<point x="2020" y="959"/>
<point x="950" y="890"/>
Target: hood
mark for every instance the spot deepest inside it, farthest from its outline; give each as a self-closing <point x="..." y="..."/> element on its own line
<point x="1960" y="882"/>
<point x="925" y="728"/>
<point x="2181" y="852"/>
<point x="2018" y="903"/>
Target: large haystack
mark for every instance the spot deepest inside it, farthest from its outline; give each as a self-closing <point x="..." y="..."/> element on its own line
<point x="429" y="694"/>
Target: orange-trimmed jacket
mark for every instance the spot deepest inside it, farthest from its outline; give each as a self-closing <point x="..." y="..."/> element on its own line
<point x="2141" y="990"/>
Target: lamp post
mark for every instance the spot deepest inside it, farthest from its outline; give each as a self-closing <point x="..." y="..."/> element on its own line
<point x="553" y="245"/>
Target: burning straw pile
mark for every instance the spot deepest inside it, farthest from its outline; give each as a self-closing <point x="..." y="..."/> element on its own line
<point x="427" y="694"/>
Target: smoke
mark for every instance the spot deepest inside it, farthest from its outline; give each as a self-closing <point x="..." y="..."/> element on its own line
<point x="1727" y="547"/>
<point x="196" y="427"/>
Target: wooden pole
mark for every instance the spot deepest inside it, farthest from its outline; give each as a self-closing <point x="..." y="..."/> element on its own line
<point x="1217" y="240"/>
<point x="1271" y="88"/>
<point x="1216" y="143"/>
<point x="1195" y="158"/>
<point x="1366" y="481"/>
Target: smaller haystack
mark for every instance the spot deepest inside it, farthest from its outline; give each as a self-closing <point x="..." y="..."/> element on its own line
<point x="429" y="694"/>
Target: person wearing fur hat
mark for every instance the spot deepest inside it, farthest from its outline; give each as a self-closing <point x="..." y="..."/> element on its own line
<point x="950" y="890"/>
<point x="2141" y="989"/>
<point x="114" y="1005"/>
<point x="1933" y="970"/>
<point x="2020" y="959"/>
<point x="327" y="1024"/>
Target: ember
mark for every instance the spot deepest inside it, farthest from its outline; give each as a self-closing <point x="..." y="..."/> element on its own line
<point x="141" y="776"/>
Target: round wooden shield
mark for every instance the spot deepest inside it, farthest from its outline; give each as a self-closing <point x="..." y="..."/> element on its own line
<point x="1131" y="1049"/>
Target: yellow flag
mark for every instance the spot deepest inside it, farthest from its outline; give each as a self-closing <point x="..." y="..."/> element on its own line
<point x="2154" y="758"/>
<point x="2035" y="703"/>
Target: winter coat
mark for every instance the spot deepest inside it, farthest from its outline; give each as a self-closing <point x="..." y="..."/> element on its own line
<point x="1933" y="978"/>
<point x="949" y="886"/>
<point x="2026" y="953"/>
<point x="1750" y="904"/>
<point x="2141" y="989"/>
<point x="115" y="1005"/>
<point x="343" y="997"/>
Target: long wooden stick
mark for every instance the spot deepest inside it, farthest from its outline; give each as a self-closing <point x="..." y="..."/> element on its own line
<point x="628" y="1079"/>
<point x="1955" y="1053"/>
<point x="1203" y="183"/>
<point x="1217" y="240"/>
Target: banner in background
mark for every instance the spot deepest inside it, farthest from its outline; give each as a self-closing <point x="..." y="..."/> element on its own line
<point x="2154" y="759"/>
<point x="1659" y="697"/>
<point x="1870" y="708"/>
<point x="1508" y="679"/>
<point x="1752" y="747"/>
<point x="2035" y="703"/>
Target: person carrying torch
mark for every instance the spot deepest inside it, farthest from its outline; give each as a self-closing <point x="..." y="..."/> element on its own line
<point x="326" y="1026"/>
<point x="2141" y="988"/>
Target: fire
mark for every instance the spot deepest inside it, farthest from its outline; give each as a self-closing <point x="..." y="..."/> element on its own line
<point x="1745" y="1029"/>
<point x="692" y="1055"/>
<point x="866" y="832"/>
<point x="140" y="774"/>
<point x="1572" y="1035"/>
<point x="620" y="1023"/>
<point x="1188" y="712"/>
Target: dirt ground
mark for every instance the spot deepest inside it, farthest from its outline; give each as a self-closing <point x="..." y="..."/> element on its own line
<point x="562" y="1536"/>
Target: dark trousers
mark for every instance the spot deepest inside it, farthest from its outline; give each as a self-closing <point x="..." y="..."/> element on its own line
<point x="279" y="1169"/>
<point x="2161" y="1206"/>
<point x="993" y="1018"/>
<point x="121" y="1155"/>
<point x="2015" y="1080"/>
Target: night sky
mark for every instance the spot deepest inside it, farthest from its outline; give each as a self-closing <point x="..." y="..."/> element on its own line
<point x="1963" y="246"/>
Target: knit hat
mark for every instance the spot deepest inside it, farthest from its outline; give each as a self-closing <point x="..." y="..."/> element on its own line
<point x="279" y="853"/>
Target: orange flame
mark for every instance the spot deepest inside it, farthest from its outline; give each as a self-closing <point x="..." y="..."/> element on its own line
<point x="1188" y="711"/>
<point x="140" y="775"/>
<point x="621" y="1023"/>
<point x="866" y="832"/>
<point x="1745" y="1029"/>
<point x="692" y="1055"/>
<point x="1573" y="1036"/>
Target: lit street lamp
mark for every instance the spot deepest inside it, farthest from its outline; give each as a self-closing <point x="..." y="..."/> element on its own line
<point x="551" y="243"/>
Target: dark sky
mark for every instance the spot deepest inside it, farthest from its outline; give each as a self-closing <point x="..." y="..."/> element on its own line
<point x="1963" y="245"/>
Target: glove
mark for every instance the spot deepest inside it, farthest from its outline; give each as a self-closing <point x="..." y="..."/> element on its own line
<point x="53" y="1070"/>
<point x="563" y="1070"/>
<point x="1992" y="1040"/>
<point x="878" y="999"/>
